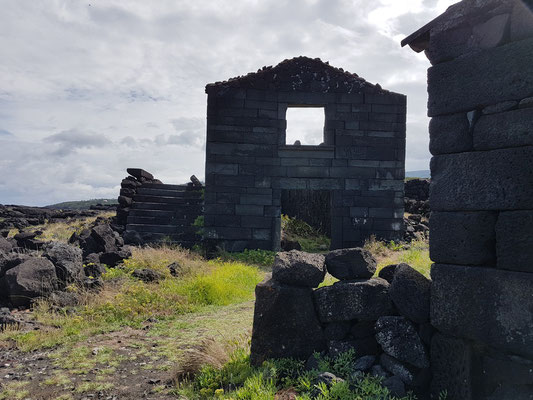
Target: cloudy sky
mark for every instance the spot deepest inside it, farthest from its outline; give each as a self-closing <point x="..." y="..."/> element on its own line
<point x="88" y="88"/>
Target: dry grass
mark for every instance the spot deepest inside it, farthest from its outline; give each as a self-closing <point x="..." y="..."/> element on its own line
<point x="416" y="254"/>
<point x="208" y="352"/>
<point x="62" y="231"/>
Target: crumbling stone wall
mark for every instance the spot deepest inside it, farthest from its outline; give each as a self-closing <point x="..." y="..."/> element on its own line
<point x="150" y="211"/>
<point x="384" y="319"/>
<point x="248" y="163"/>
<point x="481" y="198"/>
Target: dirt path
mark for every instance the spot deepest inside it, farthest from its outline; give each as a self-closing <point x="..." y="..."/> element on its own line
<point x="126" y="364"/>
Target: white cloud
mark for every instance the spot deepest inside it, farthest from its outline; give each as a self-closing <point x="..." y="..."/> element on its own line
<point x="90" y="88"/>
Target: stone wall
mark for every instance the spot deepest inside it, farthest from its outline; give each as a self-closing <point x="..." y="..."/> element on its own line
<point x="248" y="163"/>
<point x="150" y="211"/>
<point x="384" y="319"/>
<point x="481" y="198"/>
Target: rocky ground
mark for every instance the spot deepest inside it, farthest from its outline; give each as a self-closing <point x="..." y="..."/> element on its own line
<point x="125" y="364"/>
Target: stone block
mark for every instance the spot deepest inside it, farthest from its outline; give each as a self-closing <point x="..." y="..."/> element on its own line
<point x="261" y="234"/>
<point x="466" y="238"/>
<point x="491" y="180"/>
<point x="507" y="129"/>
<point x="359" y="299"/>
<point x="237" y="180"/>
<point x="491" y="76"/>
<point x="491" y="306"/>
<point x="324" y="184"/>
<point x="249" y="209"/>
<point x="500" y="107"/>
<point x="256" y="199"/>
<point x="285" y="323"/>
<point x="449" y="134"/>
<point x="220" y="209"/>
<point x="521" y="22"/>
<point x="231" y="233"/>
<point x="307" y="172"/>
<point x="514" y="241"/>
<point x="250" y="221"/>
<point x="222" y="169"/>
<point x="451" y="362"/>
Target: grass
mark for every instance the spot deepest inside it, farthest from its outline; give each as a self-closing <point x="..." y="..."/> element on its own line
<point x="126" y="301"/>
<point x="309" y="238"/>
<point x="237" y="379"/>
<point x="416" y="254"/>
<point x="62" y="231"/>
<point x="208" y="299"/>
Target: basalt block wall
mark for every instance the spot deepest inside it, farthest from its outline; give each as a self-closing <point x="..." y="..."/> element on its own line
<point x="481" y="197"/>
<point x="248" y="163"/>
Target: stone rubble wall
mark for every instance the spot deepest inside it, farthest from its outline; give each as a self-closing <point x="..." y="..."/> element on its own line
<point x="384" y="319"/>
<point x="481" y="198"/>
<point x="150" y="211"/>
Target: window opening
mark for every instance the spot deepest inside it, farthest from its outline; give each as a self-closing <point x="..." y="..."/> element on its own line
<point x="305" y="126"/>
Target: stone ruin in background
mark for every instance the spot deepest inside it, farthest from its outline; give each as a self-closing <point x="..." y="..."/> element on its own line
<point x="151" y="211"/>
<point x="359" y="166"/>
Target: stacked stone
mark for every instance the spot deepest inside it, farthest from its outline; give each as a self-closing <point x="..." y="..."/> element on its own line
<point x="384" y="319"/>
<point x="249" y="164"/>
<point x="128" y="189"/>
<point x="481" y="198"/>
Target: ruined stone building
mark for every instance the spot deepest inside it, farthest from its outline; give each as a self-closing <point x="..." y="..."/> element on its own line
<point x="480" y="90"/>
<point x="359" y="165"/>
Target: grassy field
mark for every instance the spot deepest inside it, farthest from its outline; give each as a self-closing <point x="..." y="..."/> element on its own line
<point x="186" y="336"/>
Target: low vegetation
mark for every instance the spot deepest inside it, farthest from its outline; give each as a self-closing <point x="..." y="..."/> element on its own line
<point x="195" y="321"/>
<point x="237" y="379"/>
<point x="300" y="231"/>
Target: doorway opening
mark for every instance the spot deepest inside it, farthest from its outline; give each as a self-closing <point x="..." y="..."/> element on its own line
<point x="306" y="220"/>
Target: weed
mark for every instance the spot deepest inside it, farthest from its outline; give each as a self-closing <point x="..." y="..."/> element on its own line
<point x="93" y="387"/>
<point x="309" y="238"/>
<point x="263" y="258"/>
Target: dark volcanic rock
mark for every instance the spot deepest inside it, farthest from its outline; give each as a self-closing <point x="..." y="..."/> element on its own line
<point x="94" y="269"/>
<point x="364" y="363"/>
<point x="410" y="293"/>
<point x="140" y="174"/>
<point x="33" y="278"/>
<point x="387" y="272"/>
<point x="395" y="367"/>
<point x="175" y="269"/>
<point x="147" y="275"/>
<point x="5" y="245"/>
<point x="395" y="386"/>
<point x="362" y="347"/>
<point x="346" y="264"/>
<point x="337" y="330"/>
<point x="288" y="245"/>
<point x="328" y="378"/>
<point x="104" y="236"/>
<point x="6" y="318"/>
<point x="346" y="300"/>
<point x="299" y="268"/>
<point x="285" y="323"/>
<point x="399" y="339"/>
<point x="133" y="237"/>
<point x="113" y="258"/>
<point x="362" y="329"/>
<point x="67" y="260"/>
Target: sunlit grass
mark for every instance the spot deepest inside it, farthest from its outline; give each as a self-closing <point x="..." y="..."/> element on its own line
<point x="126" y="301"/>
